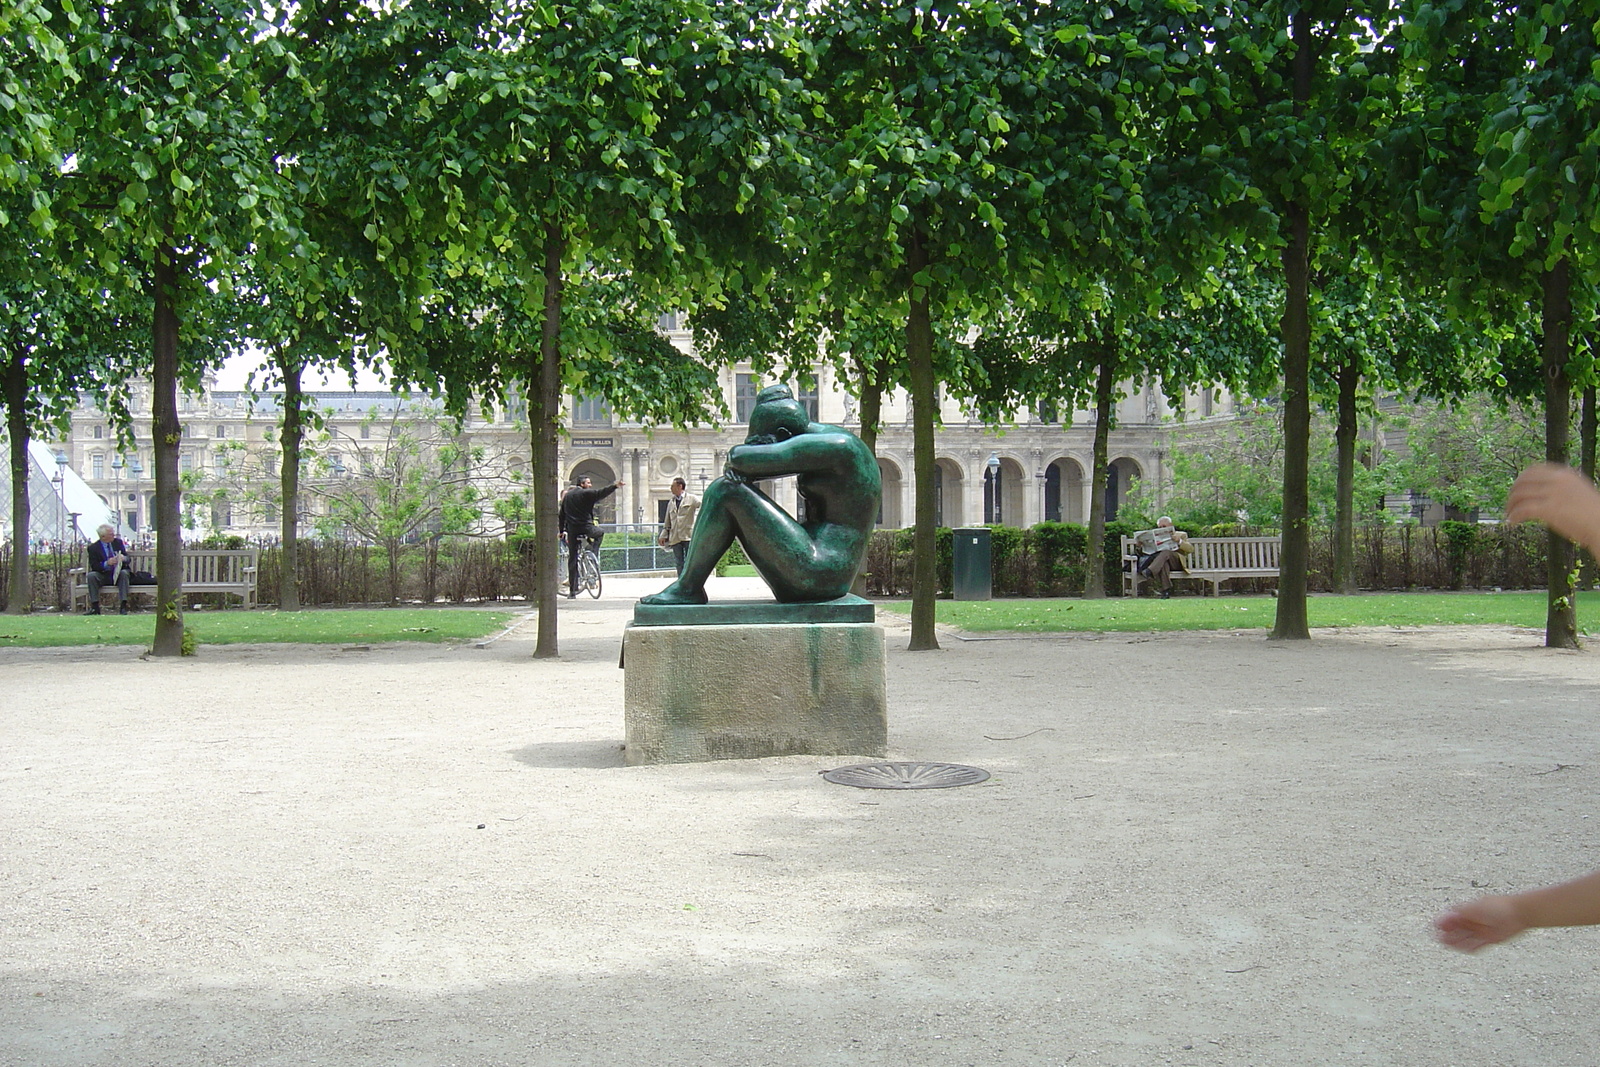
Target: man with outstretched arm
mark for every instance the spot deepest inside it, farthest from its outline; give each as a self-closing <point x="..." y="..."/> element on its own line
<point x="577" y="523"/>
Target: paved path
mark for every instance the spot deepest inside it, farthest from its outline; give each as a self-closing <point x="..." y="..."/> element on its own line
<point x="1195" y="849"/>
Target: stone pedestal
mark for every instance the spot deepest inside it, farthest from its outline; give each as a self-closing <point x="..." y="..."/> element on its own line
<point x="744" y="691"/>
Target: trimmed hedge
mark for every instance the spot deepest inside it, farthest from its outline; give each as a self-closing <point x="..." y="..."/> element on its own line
<point x="1050" y="559"/>
<point x="1044" y="560"/>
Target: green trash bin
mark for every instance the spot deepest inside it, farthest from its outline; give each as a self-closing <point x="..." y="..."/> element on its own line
<point x="973" y="577"/>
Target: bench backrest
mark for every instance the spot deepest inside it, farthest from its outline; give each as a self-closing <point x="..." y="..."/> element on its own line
<point x="210" y="565"/>
<point x="1234" y="553"/>
<point x="1226" y="553"/>
<point x="201" y="566"/>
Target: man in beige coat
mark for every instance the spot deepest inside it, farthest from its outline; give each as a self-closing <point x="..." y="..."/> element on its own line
<point x="681" y="512"/>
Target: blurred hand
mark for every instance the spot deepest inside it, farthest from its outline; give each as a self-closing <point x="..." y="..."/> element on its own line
<point x="1479" y="923"/>
<point x="1561" y="498"/>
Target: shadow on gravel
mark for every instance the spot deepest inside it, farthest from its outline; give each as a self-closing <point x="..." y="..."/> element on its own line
<point x="592" y="754"/>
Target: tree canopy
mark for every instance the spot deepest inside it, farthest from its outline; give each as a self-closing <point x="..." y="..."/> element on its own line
<point x="1003" y="203"/>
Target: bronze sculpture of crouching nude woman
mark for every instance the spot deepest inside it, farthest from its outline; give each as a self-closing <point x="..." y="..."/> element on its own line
<point x="803" y="562"/>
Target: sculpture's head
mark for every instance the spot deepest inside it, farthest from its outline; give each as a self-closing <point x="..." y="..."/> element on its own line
<point x="777" y="416"/>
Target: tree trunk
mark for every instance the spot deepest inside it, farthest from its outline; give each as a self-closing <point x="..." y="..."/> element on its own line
<point x="289" y="480"/>
<point x="393" y="547"/>
<point x="1291" y="622"/>
<point x="871" y="415"/>
<point x="16" y="397"/>
<point x="544" y="415"/>
<point x="166" y="435"/>
<point x="871" y="401"/>
<point x="1094" y="577"/>
<point x="1586" y="458"/>
<point x="1344" y="517"/>
<point x="430" y="570"/>
<point x="919" y="359"/>
<point x="1555" y="323"/>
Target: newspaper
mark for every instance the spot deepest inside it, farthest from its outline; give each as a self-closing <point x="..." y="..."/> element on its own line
<point x="1160" y="539"/>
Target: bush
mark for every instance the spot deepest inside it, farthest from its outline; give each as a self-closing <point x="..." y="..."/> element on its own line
<point x="1059" y="548"/>
<point x="231" y="542"/>
<point x="733" y="557"/>
<point x="1112" y="552"/>
<point x="1460" y="539"/>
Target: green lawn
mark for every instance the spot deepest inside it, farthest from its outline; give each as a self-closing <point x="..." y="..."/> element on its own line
<point x="328" y="626"/>
<point x="1236" y="612"/>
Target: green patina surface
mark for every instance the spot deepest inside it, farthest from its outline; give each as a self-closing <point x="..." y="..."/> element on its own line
<point x="838" y="479"/>
<point x="848" y="608"/>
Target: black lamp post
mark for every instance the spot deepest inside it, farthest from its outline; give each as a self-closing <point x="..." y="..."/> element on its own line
<point x="61" y="492"/>
<point x="116" y="492"/>
<point x="136" y="469"/>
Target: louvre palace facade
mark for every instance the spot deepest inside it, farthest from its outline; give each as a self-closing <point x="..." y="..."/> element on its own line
<point x="1030" y="470"/>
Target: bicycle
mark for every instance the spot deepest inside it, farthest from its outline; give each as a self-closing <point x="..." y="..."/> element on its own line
<point x="588" y="571"/>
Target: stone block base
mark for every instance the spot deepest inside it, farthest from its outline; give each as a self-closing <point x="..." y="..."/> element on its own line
<point x="696" y="693"/>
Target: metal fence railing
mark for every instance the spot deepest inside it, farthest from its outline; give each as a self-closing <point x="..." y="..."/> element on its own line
<point x="631" y="548"/>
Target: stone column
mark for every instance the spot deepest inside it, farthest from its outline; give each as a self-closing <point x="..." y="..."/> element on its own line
<point x="642" y="487"/>
<point x="908" y="486"/>
<point x="908" y="489"/>
<point x="1034" y="490"/>
<point x="624" y="496"/>
<point x="974" y="473"/>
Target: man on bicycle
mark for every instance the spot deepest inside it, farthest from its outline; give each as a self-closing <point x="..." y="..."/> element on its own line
<point x="577" y="524"/>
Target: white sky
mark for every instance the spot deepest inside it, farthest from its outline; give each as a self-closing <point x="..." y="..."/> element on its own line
<point x="238" y="368"/>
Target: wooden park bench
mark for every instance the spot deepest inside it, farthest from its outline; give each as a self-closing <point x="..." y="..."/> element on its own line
<point x="205" y="570"/>
<point x="1214" y="560"/>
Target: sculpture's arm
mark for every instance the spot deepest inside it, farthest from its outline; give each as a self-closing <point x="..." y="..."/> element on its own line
<point x="800" y="454"/>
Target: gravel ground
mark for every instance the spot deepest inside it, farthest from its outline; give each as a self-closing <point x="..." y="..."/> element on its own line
<point x="1195" y="849"/>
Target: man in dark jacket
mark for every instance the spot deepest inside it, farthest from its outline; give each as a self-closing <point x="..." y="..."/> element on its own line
<point x="577" y="524"/>
<point x="108" y="565"/>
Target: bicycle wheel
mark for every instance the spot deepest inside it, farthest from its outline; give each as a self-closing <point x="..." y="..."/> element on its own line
<point x="589" y="573"/>
<point x="561" y="571"/>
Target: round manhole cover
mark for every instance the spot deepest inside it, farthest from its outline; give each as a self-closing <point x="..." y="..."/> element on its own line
<point x="906" y="775"/>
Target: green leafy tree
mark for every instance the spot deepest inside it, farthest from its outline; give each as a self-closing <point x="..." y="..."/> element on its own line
<point x="1494" y="156"/>
<point x="171" y="164"/>
<point x="35" y="68"/>
<point x="412" y="480"/>
<point x="1374" y="337"/>
<point x="529" y="144"/>
<point x="59" y="342"/>
<point x="1301" y="93"/>
<point x="1465" y="455"/>
<point x="928" y="195"/>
